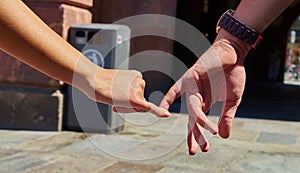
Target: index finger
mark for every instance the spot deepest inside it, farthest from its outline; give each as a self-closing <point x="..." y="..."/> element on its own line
<point x="152" y="108"/>
<point x="158" y="111"/>
<point x="143" y="106"/>
<point x="172" y="94"/>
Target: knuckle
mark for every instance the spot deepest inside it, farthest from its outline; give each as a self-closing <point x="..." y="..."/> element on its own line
<point x="143" y="83"/>
<point x="136" y="73"/>
<point x="228" y="121"/>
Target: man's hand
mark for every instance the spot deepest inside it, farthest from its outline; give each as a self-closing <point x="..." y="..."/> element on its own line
<point x="218" y="75"/>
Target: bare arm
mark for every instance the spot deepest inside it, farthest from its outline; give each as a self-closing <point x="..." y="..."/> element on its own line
<point x="219" y="74"/>
<point x="24" y="36"/>
<point x="258" y="14"/>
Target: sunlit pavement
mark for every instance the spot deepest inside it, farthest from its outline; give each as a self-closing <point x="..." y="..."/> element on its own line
<point x="290" y="79"/>
<point x="256" y="145"/>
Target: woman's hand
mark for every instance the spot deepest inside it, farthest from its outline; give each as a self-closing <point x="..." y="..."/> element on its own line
<point x="124" y="89"/>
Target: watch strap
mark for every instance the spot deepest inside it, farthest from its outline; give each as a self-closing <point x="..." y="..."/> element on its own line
<point x="239" y="29"/>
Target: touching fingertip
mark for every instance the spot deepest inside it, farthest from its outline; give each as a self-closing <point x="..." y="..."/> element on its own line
<point x="167" y="114"/>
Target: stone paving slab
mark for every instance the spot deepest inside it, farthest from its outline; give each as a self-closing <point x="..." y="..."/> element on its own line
<point x="75" y="162"/>
<point x="9" y="139"/>
<point x="277" y="138"/>
<point x="131" y="167"/>
<point x="176" y="170"/>
<point x="51" y="142"/>
<point x="24" y="161"/>
<point x="146" y="125"/>
<point x="273" y="127"/>
<point x="102" y="145"/>
<point x="266" y="162"/>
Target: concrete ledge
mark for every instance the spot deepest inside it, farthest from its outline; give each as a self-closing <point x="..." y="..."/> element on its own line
<point x="79" y="3"/>
<point x="30" y="108"/>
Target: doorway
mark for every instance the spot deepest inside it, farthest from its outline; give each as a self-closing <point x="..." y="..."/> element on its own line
<point x="292" y="65"/>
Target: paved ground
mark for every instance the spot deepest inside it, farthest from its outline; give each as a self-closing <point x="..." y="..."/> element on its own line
<point x="155" y="145"/>
<point x="266" y="138"/>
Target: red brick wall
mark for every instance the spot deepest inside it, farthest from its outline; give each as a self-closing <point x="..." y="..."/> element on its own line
<point x="109" y="11"/>
<point x="28" y="98"/>
<point x="59" y="16"/>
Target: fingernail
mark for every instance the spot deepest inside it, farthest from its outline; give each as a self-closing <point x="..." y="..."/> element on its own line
<point x="167" y="114"/>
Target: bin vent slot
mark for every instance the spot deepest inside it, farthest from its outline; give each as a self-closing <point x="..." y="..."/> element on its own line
<point x="80" y="34"/>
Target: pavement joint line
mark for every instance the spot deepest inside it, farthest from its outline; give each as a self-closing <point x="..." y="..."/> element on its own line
<point x="45" y="164"/>
<point x="34" y="141"/>
<point x="106" y="166"/>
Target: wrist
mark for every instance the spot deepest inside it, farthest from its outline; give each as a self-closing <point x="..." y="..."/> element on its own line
<point x="241" y="48"/>
<point x="84" y="75"/>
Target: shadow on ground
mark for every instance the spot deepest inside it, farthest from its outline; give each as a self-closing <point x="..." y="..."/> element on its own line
<point x="271" y="101"/>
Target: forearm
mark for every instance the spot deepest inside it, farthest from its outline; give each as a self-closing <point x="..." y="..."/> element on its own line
<point x="24" y="36"/>
<point x="257" y="14"/>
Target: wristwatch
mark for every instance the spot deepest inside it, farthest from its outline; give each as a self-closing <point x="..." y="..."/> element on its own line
<point x="238" y="29"/>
